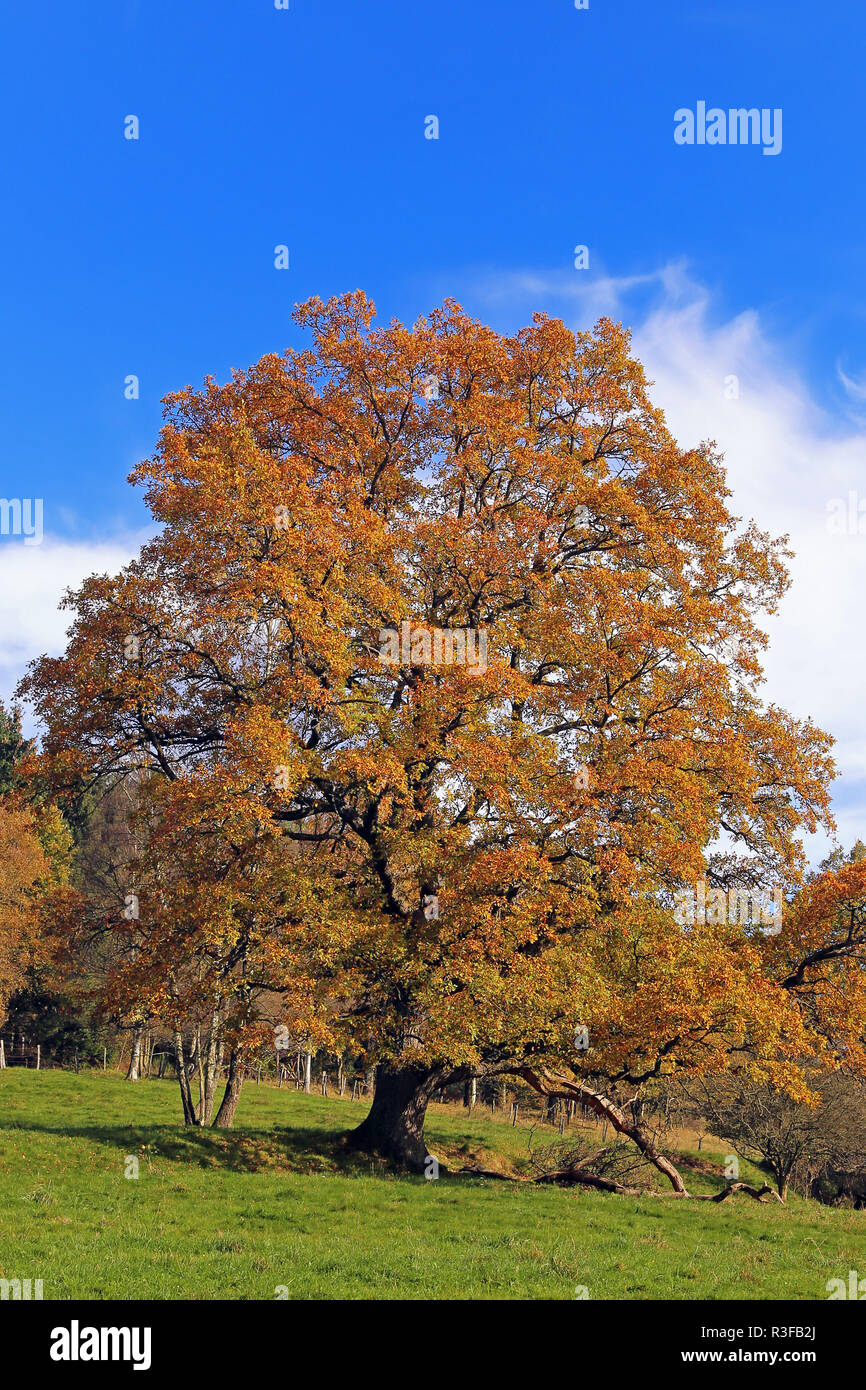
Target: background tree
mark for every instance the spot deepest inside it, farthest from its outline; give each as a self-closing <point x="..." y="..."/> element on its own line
<point x="35" y="857"/>
<point x="13" y="747"/>
<point x="92" y="921"/>
<point x="796" y="1141"/>
<point x="23" y="867"/>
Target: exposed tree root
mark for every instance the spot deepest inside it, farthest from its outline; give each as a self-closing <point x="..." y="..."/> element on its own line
<point x="567" y="1177"/>
<point x="473" y="1172"/>
<point x="760" y="1194"/>
<point x="570" y="1177"/>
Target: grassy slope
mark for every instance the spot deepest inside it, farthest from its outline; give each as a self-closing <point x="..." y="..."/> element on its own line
<point x="234" y="1215"/>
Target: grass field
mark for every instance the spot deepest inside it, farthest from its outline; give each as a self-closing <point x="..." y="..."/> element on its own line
<point x="276" y="1205"/>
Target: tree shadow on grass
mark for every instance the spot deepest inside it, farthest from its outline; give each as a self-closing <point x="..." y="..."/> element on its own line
<point x="297" y="1150"/>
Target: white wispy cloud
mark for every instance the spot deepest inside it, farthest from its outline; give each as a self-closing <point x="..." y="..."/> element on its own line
<point x="33" y="579"/>
<point x="786" y="459"/>
<point x="854" y="386"/>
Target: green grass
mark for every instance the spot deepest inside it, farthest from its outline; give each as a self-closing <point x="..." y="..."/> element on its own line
<point x="277" y="1202"/>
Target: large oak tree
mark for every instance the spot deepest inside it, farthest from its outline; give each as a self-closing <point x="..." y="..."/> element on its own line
<point x="492" y="845"/>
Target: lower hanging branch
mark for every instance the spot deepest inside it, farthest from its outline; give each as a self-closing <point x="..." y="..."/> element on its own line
<point x="559" y="1087"/>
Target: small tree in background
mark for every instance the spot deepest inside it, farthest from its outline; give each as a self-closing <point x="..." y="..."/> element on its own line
<point x="35" y="858"/>
<point x="23" y="867"/>
<point x="796" y="1141"/>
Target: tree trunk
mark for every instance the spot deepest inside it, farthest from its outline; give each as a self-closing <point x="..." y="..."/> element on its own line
<point x="394" y="1127"/>
<point x="135" y="1056"/>
<point x="183" y="1080"/>
<point x="210" y="1070"/>
<point x="226" y="1113"/>
<point x="199" y="1062"/>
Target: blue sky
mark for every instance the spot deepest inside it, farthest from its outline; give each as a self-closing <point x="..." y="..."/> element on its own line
<point x="306" y="127"/>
